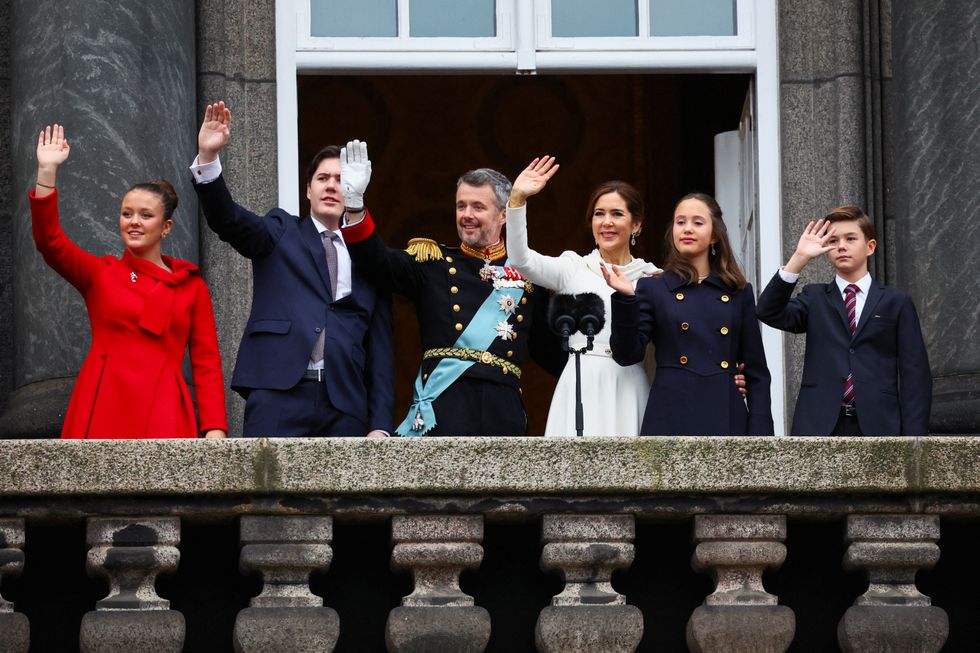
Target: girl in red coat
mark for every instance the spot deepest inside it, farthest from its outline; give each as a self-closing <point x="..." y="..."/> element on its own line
<point x="144" y="308"/>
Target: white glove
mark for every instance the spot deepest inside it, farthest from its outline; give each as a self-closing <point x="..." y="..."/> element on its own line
<point x="355" y="174"/>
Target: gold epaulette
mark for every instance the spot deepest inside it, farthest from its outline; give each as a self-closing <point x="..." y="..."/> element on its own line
<point x="424" y="249"/>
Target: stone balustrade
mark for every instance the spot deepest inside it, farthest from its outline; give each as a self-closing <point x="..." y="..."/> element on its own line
<point x="598" y="507"/>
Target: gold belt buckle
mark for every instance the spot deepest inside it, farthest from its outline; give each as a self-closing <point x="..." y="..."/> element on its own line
<point x="486" y="358"/>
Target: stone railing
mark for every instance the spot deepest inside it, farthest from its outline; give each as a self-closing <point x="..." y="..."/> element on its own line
<point x="597" y="507"/>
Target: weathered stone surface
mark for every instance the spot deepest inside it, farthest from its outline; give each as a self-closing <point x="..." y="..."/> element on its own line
<point x="15" y="633"/>
<point x="892" y="615"/>
<point x="437" y="615"/>
<point x="468" y="466"/>
<point x="740" y="629"/>
<point x="600" y="629"/>
<point x="286" y="630"/>
<point x="14" y="627"/>
<point x="130" y="554"/>
<point x="740" y="616"/>
<point x="286" y="616"/>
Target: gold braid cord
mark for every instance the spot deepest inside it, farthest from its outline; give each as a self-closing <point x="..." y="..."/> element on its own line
<point x="424" y="249"/>
<point x="464" y="354"/>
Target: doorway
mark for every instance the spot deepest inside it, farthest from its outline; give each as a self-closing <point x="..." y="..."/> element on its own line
<point x="655" y="131"/>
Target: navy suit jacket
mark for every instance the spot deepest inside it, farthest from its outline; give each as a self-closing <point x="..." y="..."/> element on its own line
<point x="291" y="303"/>
<point x="892" y="382"/>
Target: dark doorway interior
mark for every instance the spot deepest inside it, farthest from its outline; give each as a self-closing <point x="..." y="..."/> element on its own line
<point x="655" y="131"/>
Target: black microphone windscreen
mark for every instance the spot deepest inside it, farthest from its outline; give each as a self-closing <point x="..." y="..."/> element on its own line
<point x="561" y="313"/>
<point x="591" y="308"/>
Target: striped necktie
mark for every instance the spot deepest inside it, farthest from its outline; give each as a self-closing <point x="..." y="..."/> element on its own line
<point x="850" y="303"/>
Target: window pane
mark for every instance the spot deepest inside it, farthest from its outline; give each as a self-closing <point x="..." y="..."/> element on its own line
<point x="452" y="17"/>
<point x="692" y="17"/>
<point x="593" y="18"/>
<point x="353" y="18"/>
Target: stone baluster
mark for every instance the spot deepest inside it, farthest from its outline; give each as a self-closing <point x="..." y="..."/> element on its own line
<point x="740" y="616"/>
<point x="14" y="628"/>
<point x="286" y="617"/>
<point x="588" y="615"/>
<point x="437" y="616"/>
<point x="892" y="615"/>
<point x="130" y="553"/>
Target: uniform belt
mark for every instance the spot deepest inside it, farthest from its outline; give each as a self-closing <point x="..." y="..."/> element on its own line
<point x="313" y="375"/>
<point x="465" y="354"/>
<point x="849" y="410"/>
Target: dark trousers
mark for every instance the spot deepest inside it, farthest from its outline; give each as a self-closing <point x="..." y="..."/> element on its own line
<point x="847" y="425"/>
<point x="479" y="407"/>
<point x="303" y="410"/>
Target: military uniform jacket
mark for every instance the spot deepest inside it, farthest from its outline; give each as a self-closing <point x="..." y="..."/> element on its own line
<point x="701" y="333"/>
<point x="447" y="292"/>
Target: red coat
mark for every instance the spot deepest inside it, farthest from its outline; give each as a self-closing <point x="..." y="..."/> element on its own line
<point x="143" y="318"/>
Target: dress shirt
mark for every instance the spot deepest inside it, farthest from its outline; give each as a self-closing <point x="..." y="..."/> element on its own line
<point x="863" y="284"/>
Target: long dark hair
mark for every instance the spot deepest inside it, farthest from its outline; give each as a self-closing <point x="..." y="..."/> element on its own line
<point x="162" y="189"/>
<point x="722" y="262"/>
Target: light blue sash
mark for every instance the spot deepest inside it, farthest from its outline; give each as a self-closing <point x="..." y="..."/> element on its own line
<point x="479" y="335"/>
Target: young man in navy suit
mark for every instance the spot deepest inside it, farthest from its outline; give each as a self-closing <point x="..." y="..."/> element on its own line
<point x="866" y="370"/>
<point x="316" y="356"/>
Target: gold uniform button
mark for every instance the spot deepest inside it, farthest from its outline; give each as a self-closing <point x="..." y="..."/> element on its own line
<point x="513" y="336"/>
<point x="449" y="259"/>
<point x="425" y="376"/>
<point x="523" y="300"/>
<point x="520" y="318"/>
<point x="685" y="326"/>
<point x="506" y="370"/>
<point x="724" y="298"/>
<point x="724" y="331"/>
<point x="683" y="360"/>
<point x="724" y="365"/>
<point x="456" y="308"/>
<point x="510" y="354"/>
<point x="459" y="327"/>
<point x="679" y="296"/>
<point x="486" y="357"/>
<point x="452" y="270"/>
<point x="454" y="290"/>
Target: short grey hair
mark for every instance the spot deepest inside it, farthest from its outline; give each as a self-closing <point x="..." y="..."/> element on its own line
<point x="488" y="176"/>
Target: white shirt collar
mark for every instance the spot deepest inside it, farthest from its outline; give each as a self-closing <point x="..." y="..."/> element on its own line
<point x="863" y="284"/>
<point x="320" y="228"/>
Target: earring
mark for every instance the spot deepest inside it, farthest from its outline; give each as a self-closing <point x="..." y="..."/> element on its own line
<point x="633" y="239"/>
<point x="712" y="249"/>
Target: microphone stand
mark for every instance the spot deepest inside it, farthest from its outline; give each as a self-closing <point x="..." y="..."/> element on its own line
<point x="579" y="411"/>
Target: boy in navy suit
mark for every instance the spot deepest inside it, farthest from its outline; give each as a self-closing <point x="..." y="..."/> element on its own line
<point x="866" y="370"/>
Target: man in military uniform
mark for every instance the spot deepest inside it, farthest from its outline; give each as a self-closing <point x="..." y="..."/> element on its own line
<point x="475" y="312"/>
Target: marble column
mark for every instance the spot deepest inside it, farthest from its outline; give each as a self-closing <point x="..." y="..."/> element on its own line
<point x="236" y="60"/>
<point x="120" y="77"/>
<point x="588" y="615"/>
<point x="15" y="632"/>
<point x="286" y="617"/>
<point x="937" y="194"/>
<point x="437" y="617"/>
<point x="892" y="615"/>
<point x="130" y="553"/>
<point x="740" y="616"/>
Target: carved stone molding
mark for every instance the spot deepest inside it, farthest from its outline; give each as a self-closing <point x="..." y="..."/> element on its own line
<point x="15" y="635"/>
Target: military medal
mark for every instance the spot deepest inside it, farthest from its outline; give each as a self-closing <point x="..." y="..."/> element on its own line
<point x="505" y="330"/>
<point x="418" y="423"/>
<point x="488" y="272"/>
<point x="507" y="304"/>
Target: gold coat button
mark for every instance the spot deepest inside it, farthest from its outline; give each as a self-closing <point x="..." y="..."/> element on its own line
<point x="506" y="370"/>
<point x="683" y="360"/>
<point x="454" y="290"/>
<point x="425" y="376"/>
<point x="685" y="326"/>
<point x="724" y="331"/>
<point x="520" y="318"/>
<point x="679" y="296"/>
<point x="510" y="354"/>
<point x="724" y="298"/>
<point x="449" y="259"/>
<point x="459" y="327"/>
<point x="724" y="365"/>
<point x="513" y="336"/>
<point x="452" y="270"/>
<point x="523" y="300"/>
<point x="456" y="308"/>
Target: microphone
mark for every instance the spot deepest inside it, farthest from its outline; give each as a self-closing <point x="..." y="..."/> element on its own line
<point x="590" y="313"/>
<point x="562" y="317"/>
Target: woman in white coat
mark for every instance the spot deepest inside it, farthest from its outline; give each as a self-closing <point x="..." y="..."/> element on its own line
<point x="613" y="397"/>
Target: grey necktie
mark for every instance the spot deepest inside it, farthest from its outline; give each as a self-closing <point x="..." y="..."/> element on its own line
<point x="330" y="250"/>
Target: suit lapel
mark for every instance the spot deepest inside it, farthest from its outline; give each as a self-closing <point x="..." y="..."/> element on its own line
<point x="314" y="244"/>
<point x="875" y="293"/>
<point x="837" y="302"/>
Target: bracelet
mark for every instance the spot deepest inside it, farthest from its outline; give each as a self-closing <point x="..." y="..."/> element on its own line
<point x="44" y="185"/>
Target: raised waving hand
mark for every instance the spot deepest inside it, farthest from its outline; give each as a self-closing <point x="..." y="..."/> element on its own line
<point x="616" y="280"/>
<point x="52" y="151"/>
<point x="813" y="243"/>
<point x="532" y="180"/>
<point x="215" y="132"/>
